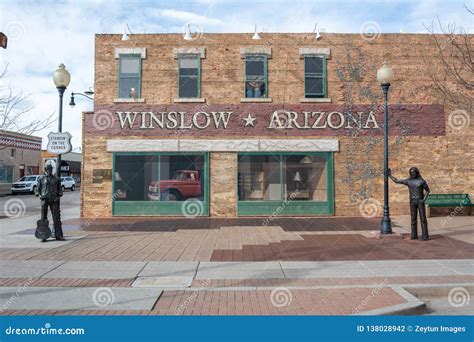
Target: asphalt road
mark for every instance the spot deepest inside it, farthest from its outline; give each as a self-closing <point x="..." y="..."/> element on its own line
<point x="28" y="205"/>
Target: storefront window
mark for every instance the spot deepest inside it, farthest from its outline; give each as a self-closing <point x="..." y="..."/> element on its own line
<point x="181" y="178"/>
<point x="130" y="76"/>
<point x="315" y="76"/>
<point x="189" y="76"/>
<point x="6" y="173"/>
<point x="259" y="178"/>
<point x="134" y="174"/>
<point x="159" y="183"/>
<point x="255" y="76"/>
<point x="305" y="178"/>
<point x="285" y="183"/>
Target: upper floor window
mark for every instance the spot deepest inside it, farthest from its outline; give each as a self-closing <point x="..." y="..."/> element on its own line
<point x="256" y="82"/>
<point x="130" y="76"/>
<point x="315" y="83"/>
<point x="189" y="76"/>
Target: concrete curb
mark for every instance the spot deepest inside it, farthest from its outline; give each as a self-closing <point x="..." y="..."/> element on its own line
<point x="437" y="290"/>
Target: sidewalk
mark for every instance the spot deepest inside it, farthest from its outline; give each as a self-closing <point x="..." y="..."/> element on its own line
<point x="242" y="288"/>
<point x="136" y="239"/>
<point x="301" y="267"/>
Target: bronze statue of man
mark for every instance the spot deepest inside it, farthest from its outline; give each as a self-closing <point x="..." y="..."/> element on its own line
<point x="49" y="190"/>
<point x="419" y="191"/>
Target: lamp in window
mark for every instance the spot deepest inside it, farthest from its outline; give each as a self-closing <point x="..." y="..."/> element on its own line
<point x="255" y="34"/>
<point x="306" y="160"/>
<point x="125" y="35"/>
<point x="297" y="180"/>
<point x="133" y="93"/>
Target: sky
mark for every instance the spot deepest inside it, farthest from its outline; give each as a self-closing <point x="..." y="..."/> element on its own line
<point x="43" y="34"/>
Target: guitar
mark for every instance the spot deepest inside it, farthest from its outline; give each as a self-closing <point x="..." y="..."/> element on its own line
<point x="42" y="230"/>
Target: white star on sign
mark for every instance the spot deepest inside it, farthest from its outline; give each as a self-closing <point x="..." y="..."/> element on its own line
<point x="249" y="120"/>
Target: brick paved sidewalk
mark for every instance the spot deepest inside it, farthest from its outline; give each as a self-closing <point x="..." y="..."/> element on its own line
<point x="279" y="301"/>
<point x="266" y="296"/>
<point x="237" y="244"/>
<point x="104" y="257"/>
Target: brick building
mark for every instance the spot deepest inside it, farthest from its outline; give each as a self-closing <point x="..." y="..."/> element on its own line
<point x="20" y="155"/>
<point x="227" y="126"/>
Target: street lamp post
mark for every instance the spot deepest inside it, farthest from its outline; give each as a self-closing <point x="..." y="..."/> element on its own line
<point x="385" y="77"/>
<point x="88" y="94"/>
<point x="61" y="78"/>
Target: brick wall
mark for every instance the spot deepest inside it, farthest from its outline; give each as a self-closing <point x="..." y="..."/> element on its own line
<point x="445" y="160"/>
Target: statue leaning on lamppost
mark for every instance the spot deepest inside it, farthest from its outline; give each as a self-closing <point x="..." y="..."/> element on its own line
<point x="419" y="191"/>
<point x="49" y="186"/>
<point x="49" y="191"/>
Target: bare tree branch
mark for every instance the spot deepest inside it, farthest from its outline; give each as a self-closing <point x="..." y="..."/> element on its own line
<point x="15" y="115"/>
<point x="451" y="68"/>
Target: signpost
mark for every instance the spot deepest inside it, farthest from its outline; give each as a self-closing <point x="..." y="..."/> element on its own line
<point x="59" y="143"/>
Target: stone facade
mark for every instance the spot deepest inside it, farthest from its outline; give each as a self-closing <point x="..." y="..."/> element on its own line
<point x="445" y="160"/>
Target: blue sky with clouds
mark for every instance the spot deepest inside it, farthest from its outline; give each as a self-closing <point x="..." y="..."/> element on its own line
<point x="43" y="34"/>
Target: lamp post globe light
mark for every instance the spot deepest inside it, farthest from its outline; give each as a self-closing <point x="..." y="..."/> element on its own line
<point x="61" y="78"/>
<point x="385" y="78"/>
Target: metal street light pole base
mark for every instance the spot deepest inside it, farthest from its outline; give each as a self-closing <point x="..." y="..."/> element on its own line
<point x="386" y="226"/>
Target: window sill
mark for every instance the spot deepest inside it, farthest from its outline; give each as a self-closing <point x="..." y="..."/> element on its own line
<point x="129" y="100"/>
<point x="189" y="100"/>
<point x="315" y="100"/>
<point x="256" y="99"/>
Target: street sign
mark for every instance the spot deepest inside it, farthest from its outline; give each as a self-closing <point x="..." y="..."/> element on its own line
<point x="59" y="143"/>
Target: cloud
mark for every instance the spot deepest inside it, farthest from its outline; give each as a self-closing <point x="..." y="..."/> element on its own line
<point x="187" y="17"/>
<point x="44" y="34"/>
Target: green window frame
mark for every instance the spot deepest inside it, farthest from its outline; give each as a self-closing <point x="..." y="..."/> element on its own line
<point x="187" y="78"/>
<point x="129" y="78"/>
<point x="255" y="79"/>
<point x="284" y="207"/>
<point x="311" y="76"/>
<point x="161" y="208"/>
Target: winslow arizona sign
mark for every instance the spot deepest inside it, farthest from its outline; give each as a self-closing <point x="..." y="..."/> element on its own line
<point x="279" y="119"/>
<point x="263" y="119"/>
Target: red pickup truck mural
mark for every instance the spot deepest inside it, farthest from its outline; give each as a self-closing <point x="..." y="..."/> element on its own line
<point x="183" y="185"/>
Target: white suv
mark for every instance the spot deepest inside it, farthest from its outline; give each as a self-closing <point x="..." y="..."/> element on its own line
<point x="68" y="183"/>
<point x="25" y="184"/>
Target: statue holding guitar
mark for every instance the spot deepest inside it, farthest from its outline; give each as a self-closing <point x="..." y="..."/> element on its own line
<point x="49" y="191"/>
